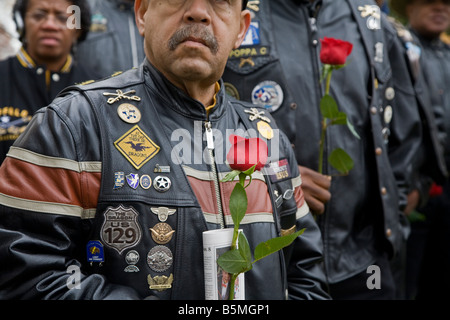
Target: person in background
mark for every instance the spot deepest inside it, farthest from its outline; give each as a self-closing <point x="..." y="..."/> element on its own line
<point x="360" y="214"/>
<point x="44" y="64"/>
<point x="429" y="245"/>
<point x="430" y="160"/>
<point x="114" y="43"/>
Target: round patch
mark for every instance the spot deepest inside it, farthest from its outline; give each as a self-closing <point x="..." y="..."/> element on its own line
<point x="268" y="94"/>
<point x="231" y="90"/>
<point x="132" y="257"/>
<point x="160" y="259"/>
<point x="162" y="233"/>
<point x="129" y="113"/>
<point x="145" y="182"/>
<point x="162" y="184"/>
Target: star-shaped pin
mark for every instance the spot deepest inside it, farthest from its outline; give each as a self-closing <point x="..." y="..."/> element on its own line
<point x="162" y="184"/>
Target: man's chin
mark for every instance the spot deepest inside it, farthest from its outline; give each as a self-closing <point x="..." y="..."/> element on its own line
<point x="193" y="69"/>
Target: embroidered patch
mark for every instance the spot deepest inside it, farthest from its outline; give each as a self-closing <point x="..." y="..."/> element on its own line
<point x="121" y="230"/>
<point x="268" y="94"/>
<point x="94" y="251"/>
<point x="137" y="147"/>
<point x="279" y="170"/>
<point x="252" y="37"/>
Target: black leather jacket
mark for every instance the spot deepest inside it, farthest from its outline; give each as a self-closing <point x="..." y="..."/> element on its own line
<point x="364" y="216"/>
<point x="69" y="199"/>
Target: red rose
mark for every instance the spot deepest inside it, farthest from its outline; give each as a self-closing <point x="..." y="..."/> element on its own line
<point x="245" y="153"/>
<point x="334" y="51"/>
<point x="435" y="190"/>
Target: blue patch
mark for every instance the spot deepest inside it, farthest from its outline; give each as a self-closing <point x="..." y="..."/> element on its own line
<point x="252" y="37"/>
<point x="95" y="253"/>
<point x="146" y="181"/>
<point x="269" y="95"/>
<point x="133" y="180"/>
<point x="119" y="180"/>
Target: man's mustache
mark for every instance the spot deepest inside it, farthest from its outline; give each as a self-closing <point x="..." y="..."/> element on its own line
<point x="197" y="32"/>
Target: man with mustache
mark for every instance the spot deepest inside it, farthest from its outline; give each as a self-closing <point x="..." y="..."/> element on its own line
<point x="44" y="65"/>
<point x="83" y="210"/>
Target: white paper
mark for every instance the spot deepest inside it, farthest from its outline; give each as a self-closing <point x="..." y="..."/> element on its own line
<point x="215" y="243"/>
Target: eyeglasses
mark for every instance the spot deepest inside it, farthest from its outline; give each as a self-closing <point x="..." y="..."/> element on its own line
<point x="40" y="16"/>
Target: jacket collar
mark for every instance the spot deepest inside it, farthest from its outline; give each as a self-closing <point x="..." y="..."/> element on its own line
<point x="27" y="62"/>
<point x="179" y="101"/>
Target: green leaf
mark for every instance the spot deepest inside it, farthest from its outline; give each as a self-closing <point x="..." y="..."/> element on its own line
<point x="231" y="175"/>
<point x="415" y="216"/>
<point x="273" y="245"/>
<point x="232" y="261"/>
<point x="352" y="129"/>
<point x="340" y="119"/>
<point x="250" y="171"/>
<point x="238" y="204"/>
<point x="244" y="249"/>
<point x="341" y="161"/>
<point x="329" y="107"/>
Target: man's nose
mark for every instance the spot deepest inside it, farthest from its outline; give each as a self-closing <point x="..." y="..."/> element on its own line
<point x="198" y="11"/>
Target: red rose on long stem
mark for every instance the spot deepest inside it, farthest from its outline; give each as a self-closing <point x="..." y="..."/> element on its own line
<point x="335" y="51"/>
<point x="246" y="156"/>
<point x="245" y="153"/>
<point x="333" y="55"/>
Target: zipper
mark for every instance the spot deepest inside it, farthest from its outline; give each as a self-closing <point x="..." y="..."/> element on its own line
<point x="210" y="146"/>
<point x="313" y="11"/>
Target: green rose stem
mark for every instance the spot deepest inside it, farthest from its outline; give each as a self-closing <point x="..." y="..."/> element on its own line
<point x="244" y="200"/>
<point x="238" y="259"/>
<point x="338" y="158"/>
<point x="328" y="72"/>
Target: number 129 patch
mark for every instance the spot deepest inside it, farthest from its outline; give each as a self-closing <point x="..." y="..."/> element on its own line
<point x="120" y="230"/>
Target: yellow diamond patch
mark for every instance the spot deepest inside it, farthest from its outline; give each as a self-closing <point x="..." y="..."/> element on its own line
<point x="137" y="147"/>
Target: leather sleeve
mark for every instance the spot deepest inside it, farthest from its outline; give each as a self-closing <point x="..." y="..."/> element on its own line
<point x="46" y="196"/>
<point x="306" y="278"/>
